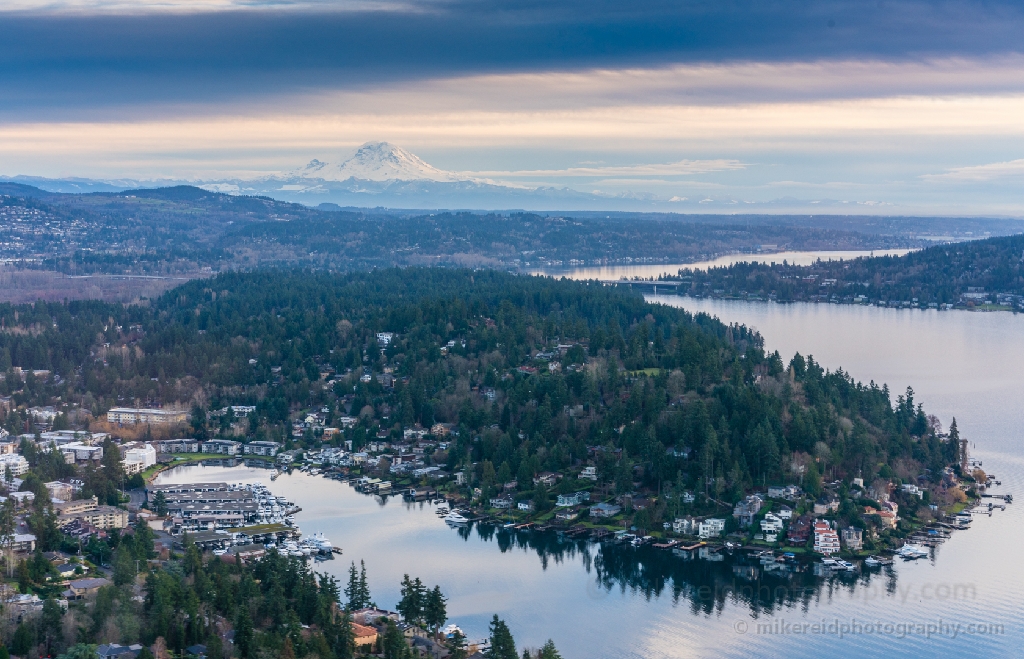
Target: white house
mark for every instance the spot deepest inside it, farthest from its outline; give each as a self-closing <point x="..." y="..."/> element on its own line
<point x="567" y="500"/>
<point x="826" y="540"/>
<point x="685" y="526"/>
<point x="771" y="526"/>
<point x="589" y="473"/>
<point x="711" y="527"/>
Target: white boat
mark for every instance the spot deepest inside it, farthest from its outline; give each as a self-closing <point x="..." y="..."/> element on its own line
<point x="219" y="552"/>
<point x="912" y="552"/>
<point x="320" y="543"/>
<point x="871" y="561"/>
<point x="830" y="562"/>
<point x="846" y="565"/>
<point x="455" y="518"/>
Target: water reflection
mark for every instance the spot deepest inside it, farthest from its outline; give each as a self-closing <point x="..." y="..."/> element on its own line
<point x="705" y="578"/>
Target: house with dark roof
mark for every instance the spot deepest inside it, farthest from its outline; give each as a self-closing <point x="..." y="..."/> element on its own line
<point x="117" y="651"/>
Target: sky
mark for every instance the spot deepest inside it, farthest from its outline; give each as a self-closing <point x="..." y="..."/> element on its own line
<point x="901" y="107"/>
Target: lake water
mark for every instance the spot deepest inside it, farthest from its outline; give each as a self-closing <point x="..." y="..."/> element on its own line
<point x="648" y="270"/>
<point x="609" y="602"/>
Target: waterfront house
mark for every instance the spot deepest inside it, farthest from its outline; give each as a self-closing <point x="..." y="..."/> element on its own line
<point x="799" y="530"/>
<point x="712" y="527"/>
<point x="574" y="499"/>
<point x="853" y="538"/>
<point x="685" y="526"/>
<point x="604" y="510"/>
<point x="503" y="502"/>
<point x="747" y="509"/>
<point x="785" y="513"/>
<point x="771" y="524"/>
<point x="567" y="514"/>
<point x="526" y="506"/>
<point x="826" y="540"/>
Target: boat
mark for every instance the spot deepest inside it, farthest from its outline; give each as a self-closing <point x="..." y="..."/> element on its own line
<point x="219" y="552"/>
<point x="845" y="565"/>
<point x="455" y="517"/>
<point x="449" y="631"/>
<point x="830" y="562"/>
<point x="871" y="561"/>
<point x="320" y="543"/>
<point x="912" y="552"/>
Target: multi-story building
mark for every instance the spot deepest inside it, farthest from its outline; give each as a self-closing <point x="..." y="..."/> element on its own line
<point x="81" y="452"/>
<point x="178" y="446"/>
<point x="711" y="527"/>
<point x="853" y="538"/>
<point x="261" y="448"/>
<point x="153" y="417"/>
<point x="88" y="512"/>
<point x="16" y="463"/>
<point x="826" y="540"/>
<point x="221" y="446"/>
<point x="746" y="510"/>
<point x="138" y="458"/>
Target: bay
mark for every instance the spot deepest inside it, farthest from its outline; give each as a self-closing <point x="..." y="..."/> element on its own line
<point x="607" y="601"/>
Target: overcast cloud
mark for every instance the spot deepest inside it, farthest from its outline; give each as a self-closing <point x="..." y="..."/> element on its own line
<point x="885" y="99"/>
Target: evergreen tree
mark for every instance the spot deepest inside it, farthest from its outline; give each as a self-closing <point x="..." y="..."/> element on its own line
<point x="244" y="633"/>
<point x="503" y="646"/>
<point x="457" y="646"/>
<point x="160" y="504"/>
<point x="23" y="640"/>
<point x="410" y="605"/>
<point x="352" y="589"/>
<point x="364" y="588"/>
<point x="393" y="643"/>
<point x="549" y="651"/>
<point x="435" y="612"/>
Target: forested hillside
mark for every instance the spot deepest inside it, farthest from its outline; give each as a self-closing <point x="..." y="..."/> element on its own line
<point x="181" y="230"/>
<point x="534" y="374"/>
<point x="975" y="272"/>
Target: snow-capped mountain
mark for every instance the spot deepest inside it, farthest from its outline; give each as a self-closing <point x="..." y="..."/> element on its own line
<point x="376" y="161"/>
<point x="380" y="174"/>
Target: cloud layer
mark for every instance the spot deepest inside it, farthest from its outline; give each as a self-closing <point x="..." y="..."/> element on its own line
<point x="753" y="98"/>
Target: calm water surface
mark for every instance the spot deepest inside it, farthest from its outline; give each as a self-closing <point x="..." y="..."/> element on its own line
<point x="653" y="270"/>
<point x="608" y="602"/>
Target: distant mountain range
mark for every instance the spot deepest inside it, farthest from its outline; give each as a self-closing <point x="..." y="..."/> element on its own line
<point x="380" y="174"/>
